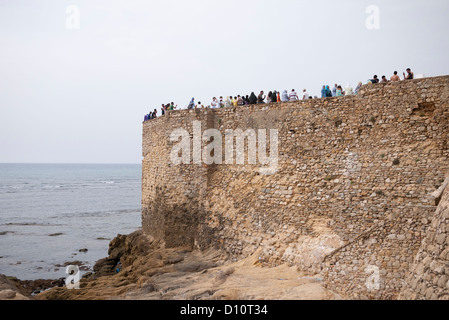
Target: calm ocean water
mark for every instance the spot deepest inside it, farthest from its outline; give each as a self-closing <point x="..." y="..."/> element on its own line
<point x="49" y="212"/>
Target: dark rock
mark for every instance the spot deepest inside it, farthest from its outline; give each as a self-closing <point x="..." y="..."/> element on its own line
<point x="105" y="267"/>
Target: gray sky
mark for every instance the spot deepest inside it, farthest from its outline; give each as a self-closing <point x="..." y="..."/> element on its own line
<point x="80" y="95"/>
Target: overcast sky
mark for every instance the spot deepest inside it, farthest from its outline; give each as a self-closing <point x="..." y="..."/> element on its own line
<point x="71" y="95"/>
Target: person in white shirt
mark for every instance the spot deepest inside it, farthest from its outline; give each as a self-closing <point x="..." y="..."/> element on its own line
<point x="293" y="96"/>
<point x="214" y="103"/>
<point x="305" y="95"/>
<point x="227" y="102"/>
<point x="199" y="105"/>
<point x="348" y="90"/>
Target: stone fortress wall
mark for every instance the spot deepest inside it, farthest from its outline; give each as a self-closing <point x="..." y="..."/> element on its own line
<point x="352" y="198"/>
<point x="428" y="278"/>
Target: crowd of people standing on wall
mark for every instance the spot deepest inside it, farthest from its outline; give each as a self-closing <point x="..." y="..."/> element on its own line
<point x="276" y="96"/>
<point x="165" y="107"/>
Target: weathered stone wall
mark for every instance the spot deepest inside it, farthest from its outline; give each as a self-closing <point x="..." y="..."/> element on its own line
<point x="351" y="197"/>
<point x="429" y="276"/>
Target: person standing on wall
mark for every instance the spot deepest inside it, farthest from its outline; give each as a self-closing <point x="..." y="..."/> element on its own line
<point x="199" y="105"/>
<point x="240" y="101"/>
<point x="274" y="96"/>
<point x="214" y="103"/>
<point x="269" y="97"/>
<point x="410" y="75"/>
<point x="328" y="92"/>
<point x="305" y="95"/>
<point x="334" y="91"/>
<point x="293" y="96"/>
<point x="261" y="97"/>
<point x="228" y="102"/>
<point x="252" y="98"/>
<point x="340" y="92"/>
<point x="323" y="92"/>
<point x="375" y="79"/>
<point x="191" y="104"/>
<point x="235" y="102"/>
<point x="358" y="88"/>
<point x="395" y="77"/>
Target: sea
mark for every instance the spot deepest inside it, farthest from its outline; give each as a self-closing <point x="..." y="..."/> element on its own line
<point x="53" y="215"/>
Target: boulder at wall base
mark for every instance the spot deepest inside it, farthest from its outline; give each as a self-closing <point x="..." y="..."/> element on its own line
<point x="122" y="249"/>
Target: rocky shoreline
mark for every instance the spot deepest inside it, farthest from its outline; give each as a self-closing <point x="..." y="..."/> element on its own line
<point x="12" y="288"/>
<point x="148" y="271"/>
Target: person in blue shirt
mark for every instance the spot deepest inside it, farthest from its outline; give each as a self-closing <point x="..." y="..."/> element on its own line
<point x="323" y="92"/>
<point x="358" y="88"/>
<point x="191" y="104"/>
<point x="328" y="92"/>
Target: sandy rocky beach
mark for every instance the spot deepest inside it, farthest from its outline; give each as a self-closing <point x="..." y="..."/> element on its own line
<point x="151" y="272"/>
